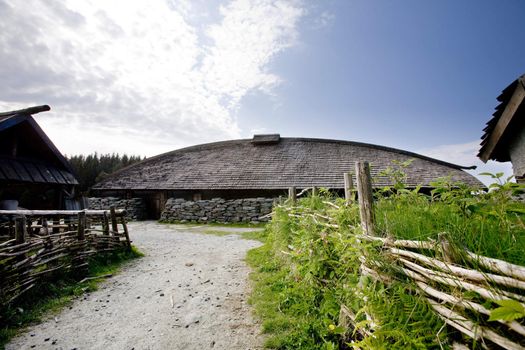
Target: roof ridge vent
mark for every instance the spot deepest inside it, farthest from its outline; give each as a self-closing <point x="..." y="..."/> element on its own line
<point x="266" y="139"/>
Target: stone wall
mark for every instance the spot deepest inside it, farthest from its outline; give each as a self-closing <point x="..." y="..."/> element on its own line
<point x="135" y="207"/>
<point x="217" y="210"/>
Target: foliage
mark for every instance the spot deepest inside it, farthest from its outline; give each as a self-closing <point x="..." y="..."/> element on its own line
<point x="508" y="310"/>
<point x="309" y="264"/>
<point x="52" y="297"/>
<point x="94" y="167"/>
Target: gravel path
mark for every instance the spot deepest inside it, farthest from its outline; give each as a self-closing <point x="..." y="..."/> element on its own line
<point x="188" y="292"/>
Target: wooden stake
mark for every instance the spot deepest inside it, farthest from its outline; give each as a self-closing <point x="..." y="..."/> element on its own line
<point x="81" y="228"/>
<point x="114" y="225"/>
<point x="445" y="249"/>
<point x="292" y="194"/>
<point x="366" y="202"/>
<point x="105" y="224"/>
<point x="126" y="233"/>
<point x="349" y="188"/>
<point x="20" y="229"/>
<point x="56" y="222"/>
<point x="45" y="228"/>
<point x="314" y="191"/>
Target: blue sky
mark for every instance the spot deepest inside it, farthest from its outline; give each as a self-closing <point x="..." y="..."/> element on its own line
<point x="412" y="74"/>
<point x="148" y="77"/>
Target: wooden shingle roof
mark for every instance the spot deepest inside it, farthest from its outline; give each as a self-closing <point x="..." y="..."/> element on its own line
<point x="505" y="122"/>
<point x="300" y="162"/>
<point x="37" y="159"/>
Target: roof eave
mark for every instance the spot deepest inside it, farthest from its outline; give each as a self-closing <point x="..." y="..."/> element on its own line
<point x="492" y="140"/>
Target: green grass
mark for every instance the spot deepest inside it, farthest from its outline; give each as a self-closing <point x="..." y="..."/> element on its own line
<point x="54" y="296"/>
<point x="291" y="318"/>
<point x="305" y="271"/>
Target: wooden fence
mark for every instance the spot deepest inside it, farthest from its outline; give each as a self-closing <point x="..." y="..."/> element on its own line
<point x="37" y="244"/>
<point x="446" y="278"/>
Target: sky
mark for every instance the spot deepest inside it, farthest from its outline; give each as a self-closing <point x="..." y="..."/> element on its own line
<point x="146" y="77"/>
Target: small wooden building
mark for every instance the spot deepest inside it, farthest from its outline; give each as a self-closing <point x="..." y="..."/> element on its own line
<point x="504" y="137"/>
<point x="33" y="172"/>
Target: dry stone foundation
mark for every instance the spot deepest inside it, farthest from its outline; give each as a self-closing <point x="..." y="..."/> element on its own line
<point x="135" y="207"/>
<point x="217" y="210"/>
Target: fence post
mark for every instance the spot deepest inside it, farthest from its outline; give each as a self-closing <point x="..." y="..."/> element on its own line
<point x="366" y="201"/>
<point x="45" y="228"/>
<point x="445" y="249"/>
<point x="20" y="234"/>
<point x="314" y="191"/>
<point x="20" y="229"/>
<point x="79" y="260"/>
<point x="56" y="222"/>
<point x="126" y="233"/>
<point x="292" y="194"/>
<point x="349" y="188"/>
<point x="113" y="215"/>
<point x="105" y="224"/>
<point x="81" y="228"/>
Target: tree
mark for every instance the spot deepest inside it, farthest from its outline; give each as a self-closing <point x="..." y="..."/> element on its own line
<point x="93" y="168"/>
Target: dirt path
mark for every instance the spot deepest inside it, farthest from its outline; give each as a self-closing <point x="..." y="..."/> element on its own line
<point x="189" y="292"/>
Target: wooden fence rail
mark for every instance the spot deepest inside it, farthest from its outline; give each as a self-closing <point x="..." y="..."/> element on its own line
<point x="446" y="281"/>
<point x="35" y="245"/>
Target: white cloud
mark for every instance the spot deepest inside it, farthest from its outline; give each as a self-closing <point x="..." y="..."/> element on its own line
<point x="465" y="154"/>
<point x="325" y="19"/>
<point x="139" y="72"/>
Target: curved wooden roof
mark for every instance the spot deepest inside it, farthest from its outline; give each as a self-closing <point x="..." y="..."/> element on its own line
<point x="284" y="162"/>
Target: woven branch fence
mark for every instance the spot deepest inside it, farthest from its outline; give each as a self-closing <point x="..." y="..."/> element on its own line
<point x="458" y="285"/>
<point x="35" y="245"/>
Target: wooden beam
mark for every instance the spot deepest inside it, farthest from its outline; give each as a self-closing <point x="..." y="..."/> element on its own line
<point x="30" y="110"/>
<point x="503" y="123"/>
<point x="58" y="212"/>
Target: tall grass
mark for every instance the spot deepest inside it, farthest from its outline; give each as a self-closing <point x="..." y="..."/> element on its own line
<point x="307" y="269"/>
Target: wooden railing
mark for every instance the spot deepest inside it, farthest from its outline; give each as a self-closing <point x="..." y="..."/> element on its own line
<point x="35" y="245"/>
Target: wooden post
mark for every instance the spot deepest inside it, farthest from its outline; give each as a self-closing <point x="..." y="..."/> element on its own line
<point x="113" y="215"/>
<point x="20" y="229"/>
<point x="45" y="228"/>
<point x="105" y="224"/>
<point x="12" y="232"/>
<point x="445" y="249"/>
<point x="56" y="222"/>
<point x="81" y="228"/>
<point x="20" y="234"/>
<point x="349" y="188"/>
<point x="314" y="191"/>
<point x="29" y="224"/>
<point x="366" y="201"/>
<point x="79" y="262"/>
<point x="292" y="194"/>
<point x="126" y="233"/>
